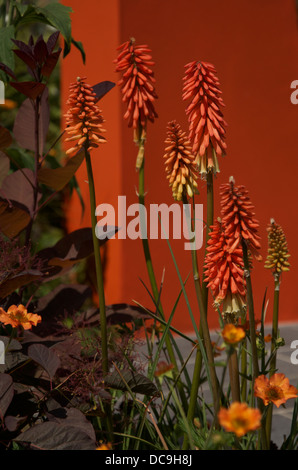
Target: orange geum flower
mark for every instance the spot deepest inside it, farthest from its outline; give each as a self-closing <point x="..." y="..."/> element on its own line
<point x="238" y="217"/>
<point x="180" y="162"/>
<point x="224" y="272"/>
<point x="18" y="316"/>
<point x="239" y="418"/>
<point x="83" y="118"/>
<point x="232" y="334"/>
<point x="275" y="390"/>
<point x="137" y="84"/>
<point x="206" y="122"/>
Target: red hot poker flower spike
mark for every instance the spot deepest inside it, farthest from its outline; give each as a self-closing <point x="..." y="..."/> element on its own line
<point x="83" y="119"/>
<point x="180" y="163"/>
<point x="137" y="84"/>
<point x="206" y="123"/>
<point x="225" y="273"/>
<point x="238" y="217"/>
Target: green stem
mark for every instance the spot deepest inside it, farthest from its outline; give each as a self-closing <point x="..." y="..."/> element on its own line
<point x="234" y="376"/>
<point x="193" y="394"/>
<point x="149" y="264"/>
<point x="204" y="327"/>
<point x="273" y="351"/>
<point x="98" y="267"/>
<point x="253" y="342"/>
<point x="210" y="218"/>
<point x="251" y="313"/>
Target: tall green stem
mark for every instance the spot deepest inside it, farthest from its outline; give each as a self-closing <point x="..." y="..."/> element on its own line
<point x="273" y="350"/>
<point x="253" y="342"/>
<point x="210" y="218"/>
<point x="149" y="264"/>
<point x="234" y="376"/>
<point x="98" y="267"/>
<point x="204" y="327"/>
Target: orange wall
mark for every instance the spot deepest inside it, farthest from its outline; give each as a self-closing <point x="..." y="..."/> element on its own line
<point x="254" y="47"/>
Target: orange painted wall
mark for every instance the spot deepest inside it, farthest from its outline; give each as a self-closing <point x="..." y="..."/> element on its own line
<point x="254" y="47"/>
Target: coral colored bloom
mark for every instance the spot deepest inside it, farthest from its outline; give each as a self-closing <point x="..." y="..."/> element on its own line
<point x="136" y="84"/>
<point x="83" y="119"/>
<point x="107" y="446"/>
<point x="232" y="334"/>
<point x="163" y="368"/>
<point x="180" y="162"/>
<point x="277" y="258"/>
<point x="18" y="316"/>
<point x="239" y="418"/>
<point x="277" y="389"/>
<point x="224" y="272"/>
<point x="206" y="122"/>
<point x="238" y="217"/>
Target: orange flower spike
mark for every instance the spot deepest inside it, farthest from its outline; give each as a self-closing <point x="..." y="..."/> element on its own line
<point x="18" y="316"/>
<point x="275" y="390"/>
<point x="224" y="272"/>
<point x="137" y="84"/>
<point x="83" y="119"/>
<point x="239" y="418"/>
<point x="180" y="163"/>
<point x="206" y="123"/>
<point x="238" y="217"/>
<point x="232" y="334"/>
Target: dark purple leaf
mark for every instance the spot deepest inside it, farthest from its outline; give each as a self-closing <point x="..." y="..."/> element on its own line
<point x="24" y="125"/>
<point x="53" y="435"/>
<point x="13" y="218"/>
<point x="30" y="89"/>
<point x="23" y="46"/>
<point x="15" y="281"/>
<point x="45" y="357"/>
<point x="136" y="382"/>
<point x="8" y="71"/>
<point x="64" y="298"/>
<point x="50" y="63"/>
<point x="102" y="89"/>
<point x="6" y="393"/>
<point x="123" y="313"/>
<point x="13" y="422"/>
<point x="51" y="42"/>
<point x="17" y="188"/>
<point x="58" y="178"/>
<point x="5" y="138"/>
<point x="26" y="58"/>
<point x="72" y="417"/>
<point x="4" y="166"/>
<point x="40" y="51"/>
<point x="72" y="248"/>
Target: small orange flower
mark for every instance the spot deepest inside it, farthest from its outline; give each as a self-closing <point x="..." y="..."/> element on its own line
<point x="206" y="123"/>
<point x="277" y="389"/>
<point x="238" y="217"/>
<point x="232" y="334"/>
<point x="83" y="119"/>
<point x="103" y="446"/>
<point x="18" y="316"/>
<point x="163" y="368"/>
<point x="137" y="83"/>
<point x="239" y="418"/>
<point x="180" y="163"/>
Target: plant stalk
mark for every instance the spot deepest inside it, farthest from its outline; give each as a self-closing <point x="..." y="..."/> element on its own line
<point x="204" y="327"/>
<point x="273" y="351"/>
<point x="98" y="267"/>
<point x="148" y="259"/>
